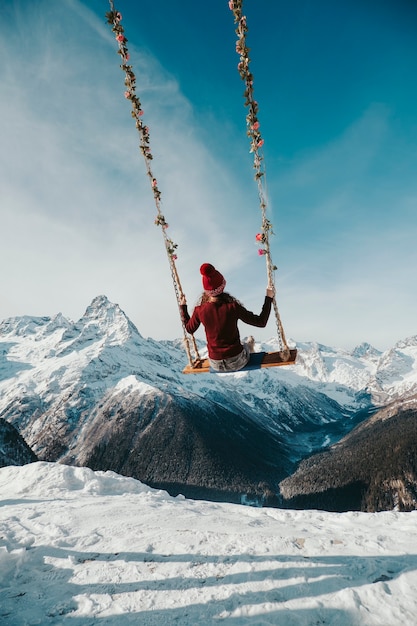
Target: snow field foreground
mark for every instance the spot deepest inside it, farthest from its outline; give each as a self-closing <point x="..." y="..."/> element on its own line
<point x="79" y="548"/>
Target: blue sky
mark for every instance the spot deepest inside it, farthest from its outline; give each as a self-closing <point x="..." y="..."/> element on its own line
<point x="337" y="99"/>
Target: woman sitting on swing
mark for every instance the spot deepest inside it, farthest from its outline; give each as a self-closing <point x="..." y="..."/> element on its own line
<point x="219" y="313"/>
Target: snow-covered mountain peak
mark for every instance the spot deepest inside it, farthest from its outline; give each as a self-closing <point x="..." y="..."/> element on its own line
<point x="103" y="322"/>
<point x="101" y="308"/>
<point x="397" y="369"/>
<point x="324" y="364"/>
<point x="365" y="350"/>
<point x="409" y="342"/>
<point x="23" y="326"/>
<point x="104" y="315"/>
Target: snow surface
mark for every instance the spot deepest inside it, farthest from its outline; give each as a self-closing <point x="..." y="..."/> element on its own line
<point x="79" y="547"/>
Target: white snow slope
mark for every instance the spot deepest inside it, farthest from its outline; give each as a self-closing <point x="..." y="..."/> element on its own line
<point x="79" y="547"/>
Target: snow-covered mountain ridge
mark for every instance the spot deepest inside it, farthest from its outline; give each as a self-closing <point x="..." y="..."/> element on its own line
<point x="71" y="388"/>
<point x="35" y="351"/>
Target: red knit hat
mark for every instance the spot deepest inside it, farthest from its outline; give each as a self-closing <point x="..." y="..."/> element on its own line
<point x="213" y="282"/>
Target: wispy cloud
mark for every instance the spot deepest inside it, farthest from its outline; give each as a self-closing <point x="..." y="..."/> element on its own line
<point x="77" y="205"/>
<point x="77" y="209"/>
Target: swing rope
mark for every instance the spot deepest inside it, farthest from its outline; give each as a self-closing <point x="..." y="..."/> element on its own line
<point x="114" y="18"/>
<point x="256" y="143"/>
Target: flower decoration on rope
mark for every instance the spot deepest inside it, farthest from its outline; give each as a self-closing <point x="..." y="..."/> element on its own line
<point x="114" y="18"/>
<point x="160" y="221"/>
<point x="171" y="248"/>
<point x="252" y="122"/>
<point x="242" y="50"/>
<point x="262" y="238"/>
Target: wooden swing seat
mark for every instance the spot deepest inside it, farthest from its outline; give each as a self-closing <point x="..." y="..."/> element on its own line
<point x="257" y="360"/>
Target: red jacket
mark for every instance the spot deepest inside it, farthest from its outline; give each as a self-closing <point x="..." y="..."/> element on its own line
<point x="220" y="323"/>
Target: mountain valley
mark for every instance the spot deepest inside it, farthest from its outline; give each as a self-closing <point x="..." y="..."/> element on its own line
<point x="96" y="393"/>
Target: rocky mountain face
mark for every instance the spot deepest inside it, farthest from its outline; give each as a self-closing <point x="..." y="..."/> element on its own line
<point x="373" y="468"/>
<point x="97" y="393"/>
<point x="206" y="452"/>
<point x="13" y="448"/>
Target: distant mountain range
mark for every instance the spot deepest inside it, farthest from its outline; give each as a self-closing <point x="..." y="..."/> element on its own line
<point x="97" y="393"/>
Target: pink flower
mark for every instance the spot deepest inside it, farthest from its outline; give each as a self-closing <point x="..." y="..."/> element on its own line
<point x="255" y="126"/>
<point x="259" y="237"/>
<point x="231" y="5"/>
<point x="260" y="143"/>
<point x="118" y="16"/>
<point x="120" y="38"/>
<point x="154" y="183"/>
<point x="139" y="113"/>
<point x="128" y="94"/>
<point x="165" y="226"/>
<point x="174" y="257"/>
<point x="261" y="252"/>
